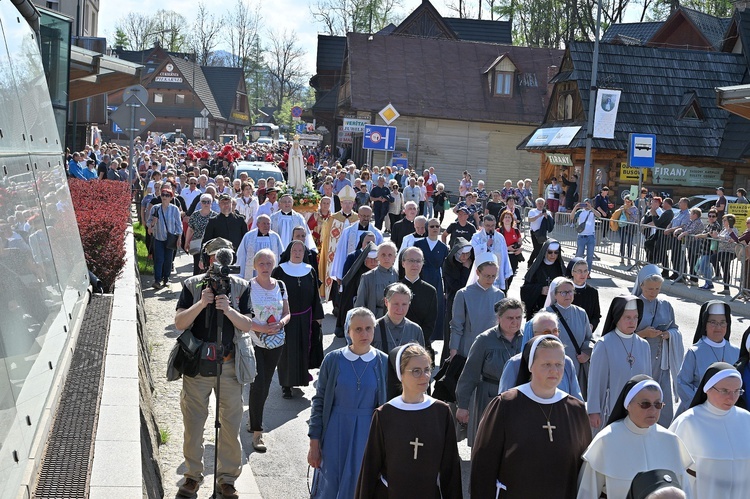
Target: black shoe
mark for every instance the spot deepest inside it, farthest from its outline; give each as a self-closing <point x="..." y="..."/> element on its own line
<point x="189" y="488"/>
<point x="156" y="285"/>
<point x="286" y="392"/>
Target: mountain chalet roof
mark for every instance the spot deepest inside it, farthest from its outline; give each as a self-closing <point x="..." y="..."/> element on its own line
<point x="192" y="73"/>
<point x="657" y="86"/>
<point x="713" y="28"/>
<point x="330" y="54"/>
<point x="444" y="78"/>
<point x="638" y="32"/>
<point x="481" y="30"/>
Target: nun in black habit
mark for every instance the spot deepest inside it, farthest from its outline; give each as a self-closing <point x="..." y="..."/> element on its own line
<point x="586" y="296"/>
<point x="362" y="264"/>
<point x="546" y="266"/>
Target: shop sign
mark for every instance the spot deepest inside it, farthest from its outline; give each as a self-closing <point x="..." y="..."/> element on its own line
<point x="674" y="174"/>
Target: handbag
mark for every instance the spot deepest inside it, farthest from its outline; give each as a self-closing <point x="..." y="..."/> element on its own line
<point x="446" y="204"/>
<point x="195" y="246"/>
<point x="582" y="226"/>
<point x="171" y="241"/>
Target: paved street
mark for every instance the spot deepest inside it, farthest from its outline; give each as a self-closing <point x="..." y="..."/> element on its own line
<point x="282" y="472"/>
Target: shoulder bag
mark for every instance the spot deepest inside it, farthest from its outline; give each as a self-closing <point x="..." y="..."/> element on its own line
<point x="171" y="238"/>
<point x="582" y="226"/>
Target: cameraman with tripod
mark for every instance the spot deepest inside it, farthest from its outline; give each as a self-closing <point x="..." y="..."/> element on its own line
<point x="214" y="307"/>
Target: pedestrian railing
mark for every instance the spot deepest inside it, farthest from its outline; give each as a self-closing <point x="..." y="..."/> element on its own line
<point x="688" y="259"/>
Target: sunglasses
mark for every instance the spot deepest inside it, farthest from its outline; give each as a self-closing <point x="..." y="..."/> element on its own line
<point x="433" y="226"/>
<point x="647" y="405"/>
<point x="166" y="195"/>
<point x="206" y="202"/>
<point x="712" y="216"/>
<point x="554" y="252"/>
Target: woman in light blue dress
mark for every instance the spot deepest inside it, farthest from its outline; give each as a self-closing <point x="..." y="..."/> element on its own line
<point x="342" y="408"/>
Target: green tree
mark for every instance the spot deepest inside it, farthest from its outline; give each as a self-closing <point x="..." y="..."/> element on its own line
<point x="121" y="39"/>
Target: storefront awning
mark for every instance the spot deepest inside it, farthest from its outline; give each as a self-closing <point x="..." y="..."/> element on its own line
<point x="92" y="73"/>
<point x="734" y="99"/>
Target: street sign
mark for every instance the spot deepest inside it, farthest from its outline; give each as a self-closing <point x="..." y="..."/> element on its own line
<point x="300" y="127"/>
<point x="379" y="138"/>
<point x="642" y="150"/>
<point x="204" y="112"/>
<point x="389" y="114"/>
<point x="400" y="162"/>
<point x="115" y="128"/>
<point x="137" y="90"/>
<point x="133" y="117"/>
<point x="296" y="111"/>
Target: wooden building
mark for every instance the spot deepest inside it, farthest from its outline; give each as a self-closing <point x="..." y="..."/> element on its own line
<point x="179" y="90"/>
<point x="666" y="91"/>
<point x="465" y="95"/>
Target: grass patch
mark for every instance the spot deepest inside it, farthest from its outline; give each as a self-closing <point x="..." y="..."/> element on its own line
<point x="145" y="265"/>
<point x="164" y="435"/>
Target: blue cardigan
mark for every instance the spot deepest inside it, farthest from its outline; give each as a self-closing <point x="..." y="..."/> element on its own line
<point x="322" y="404"/>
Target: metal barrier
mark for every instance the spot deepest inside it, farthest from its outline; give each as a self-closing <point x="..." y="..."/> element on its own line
<point x="688" y="259"/>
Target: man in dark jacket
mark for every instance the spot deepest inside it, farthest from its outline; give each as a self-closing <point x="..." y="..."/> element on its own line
<point x="228" y="224"/>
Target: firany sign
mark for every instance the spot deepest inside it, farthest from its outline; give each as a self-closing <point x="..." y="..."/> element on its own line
<point x="674" y="174"/>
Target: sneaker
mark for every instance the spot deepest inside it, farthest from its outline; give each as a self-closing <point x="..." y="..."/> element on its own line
<point x="258" y="444"/>
<point x="228" y="491"/>
<point x="156" y="285"/>
<point x="189" y="488"/>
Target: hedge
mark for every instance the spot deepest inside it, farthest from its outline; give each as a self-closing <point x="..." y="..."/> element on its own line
<point x="102" y="210"/>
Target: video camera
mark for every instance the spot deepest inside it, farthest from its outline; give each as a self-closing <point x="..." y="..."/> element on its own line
<point x="217" y="277"/>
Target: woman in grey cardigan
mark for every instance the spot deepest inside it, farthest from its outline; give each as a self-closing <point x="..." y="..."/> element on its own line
<point x="343" y="405"/>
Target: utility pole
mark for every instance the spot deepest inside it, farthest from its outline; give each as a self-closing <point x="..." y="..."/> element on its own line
<point x="586" y="180"/>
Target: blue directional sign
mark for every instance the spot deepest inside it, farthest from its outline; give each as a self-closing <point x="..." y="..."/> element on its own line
<point x="379" y="138"/>
<point x="115" y="128"/>
<point x="300" y="127"/>
<point x="642" y="150"/>
<point x="400" y="162"/>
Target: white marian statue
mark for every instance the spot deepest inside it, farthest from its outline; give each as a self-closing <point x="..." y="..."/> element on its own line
<point x="296" y="167"/>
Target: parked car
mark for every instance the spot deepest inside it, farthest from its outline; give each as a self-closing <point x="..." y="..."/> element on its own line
<point x="705" y="203"/>
<point x="172" y="136"/>
<point x="257" y="170"/>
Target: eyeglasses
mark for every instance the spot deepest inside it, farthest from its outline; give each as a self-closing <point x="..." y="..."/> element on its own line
<point x="724" y="392"/>
<point x="581" y="271"/>
<point x="712" y="216"/>
<point x="647" y="405"/>
<point x="419" y="372"/>
<point x="717" y="323"/>
<point x="564" y="293"/>
<point x="553" y="252"/>
<point x="412" y="260"/>
<point x="553" y="332"/>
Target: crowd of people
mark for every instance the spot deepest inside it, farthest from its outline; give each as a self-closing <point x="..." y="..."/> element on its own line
<point x="524" y="379"/>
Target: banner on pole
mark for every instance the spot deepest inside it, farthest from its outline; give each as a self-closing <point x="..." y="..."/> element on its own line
<point x="605" y="113"/>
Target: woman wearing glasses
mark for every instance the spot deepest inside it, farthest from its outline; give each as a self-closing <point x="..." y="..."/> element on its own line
<point x="710" y="344"/>
<point x="163" y="219"/>
<point x="411" y="450"/>
<point x="715" y="433"/>
<point x="632" y="442"/>
<point x="197" y="226"/>
<point x="575" y="331"/>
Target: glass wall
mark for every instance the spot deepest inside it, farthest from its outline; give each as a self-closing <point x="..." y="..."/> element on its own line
<point x="42" y="267"/>
<point x="55" y="31"/>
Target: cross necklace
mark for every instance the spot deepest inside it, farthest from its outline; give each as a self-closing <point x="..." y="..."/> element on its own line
<point x="417" y="444"/>
<point x="357" y="375"/>
<point x="548" y="426"/>
<point x="630" y="359"/>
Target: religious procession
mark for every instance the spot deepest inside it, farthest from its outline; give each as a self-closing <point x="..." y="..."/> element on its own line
<point x="430" y="346"/>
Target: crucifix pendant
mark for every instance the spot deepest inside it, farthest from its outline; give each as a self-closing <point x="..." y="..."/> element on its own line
<point x="631" y="360"/>
<point x="549" y="429"/>
<point x="417" y="444"/>
<point x="299" y="282"/>
<point x="359" y="383"/>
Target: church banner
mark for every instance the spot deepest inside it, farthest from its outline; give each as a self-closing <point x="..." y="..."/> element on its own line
<point x="605" y="114"/>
